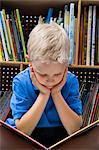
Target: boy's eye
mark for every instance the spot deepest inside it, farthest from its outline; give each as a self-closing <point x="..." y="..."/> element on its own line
<point x="58" y="74"/>
<point x="43" y="75"/>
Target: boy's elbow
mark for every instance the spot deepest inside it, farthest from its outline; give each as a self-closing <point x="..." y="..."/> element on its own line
<point x="77" y="126"/>
<point x="20" y="127"/>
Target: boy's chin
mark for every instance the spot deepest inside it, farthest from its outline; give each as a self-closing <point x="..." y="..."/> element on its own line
<point x="49" y="87"/>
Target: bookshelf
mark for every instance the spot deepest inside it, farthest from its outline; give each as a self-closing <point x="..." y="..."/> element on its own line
<point x="30" y="8"/>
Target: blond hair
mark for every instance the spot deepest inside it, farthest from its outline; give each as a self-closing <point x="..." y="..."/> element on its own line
<point x="48" y="42"/>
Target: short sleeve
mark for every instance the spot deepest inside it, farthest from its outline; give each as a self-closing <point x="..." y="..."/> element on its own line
<point x="19" y="101"/>
<point x="73" y="99"/>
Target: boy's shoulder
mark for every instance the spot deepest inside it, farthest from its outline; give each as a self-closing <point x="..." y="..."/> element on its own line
<point x="23" y="75"/>
<point x="71" y="78"/>
<point x="70" y="75"/>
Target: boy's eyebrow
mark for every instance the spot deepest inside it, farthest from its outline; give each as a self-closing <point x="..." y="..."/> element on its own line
<point x="45" y="73"/>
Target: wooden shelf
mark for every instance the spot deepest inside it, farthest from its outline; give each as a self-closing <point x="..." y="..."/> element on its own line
<point x="6" y="63"/>
<point x="89" y="2"/>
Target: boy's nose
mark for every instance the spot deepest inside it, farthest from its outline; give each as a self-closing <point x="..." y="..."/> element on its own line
<point x="50" y="80"/>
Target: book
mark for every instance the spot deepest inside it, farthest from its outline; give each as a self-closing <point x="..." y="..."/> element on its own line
<point x="71" y="33"/>
<point x="21" y="33"/>
<point x="49" y="15"/>
<point x="89" y="35"/>
<point x="5" y="104"/>
<point x="93" y="36"/>
<point x="3" y="39"/>
<point x="22" y="135"/>
<point x="16" y="37"/>
<point x="1" y="49"/>
<point x="6" y="33"/>
<point x="10" y="37"/>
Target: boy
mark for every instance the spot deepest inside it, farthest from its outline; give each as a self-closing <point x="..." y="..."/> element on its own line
<point x="45" y="102"/>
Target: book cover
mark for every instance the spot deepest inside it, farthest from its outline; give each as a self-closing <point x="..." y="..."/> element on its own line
<point x="77" y="133"/>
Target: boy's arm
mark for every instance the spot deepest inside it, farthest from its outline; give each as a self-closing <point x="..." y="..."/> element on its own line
<point x="30" y="119"/>
<point x="70" y="120"/>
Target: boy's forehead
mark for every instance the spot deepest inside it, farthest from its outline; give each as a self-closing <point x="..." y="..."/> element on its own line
<point x="53" y="66"/>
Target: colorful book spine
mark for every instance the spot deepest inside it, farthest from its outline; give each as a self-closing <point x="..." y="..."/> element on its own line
<point x="21" y="33"/>
<point x="16" y="38"/>
<point x="50" y="14"/>
<point x="98" y="39"/>
<point x="66" y="19"/>
<point x="96" y="87"/>
<point x="71" y="32"/>
<point x="1" y="50"/>
<point x="6" y="32"/>
<point x="3" y="39"/>
<point x="60" y="19"/>
<point x="84" y="50"/>
<point x="10" y="37"/>
<point x="93" y="36"/>
<point x="89" y="35"/>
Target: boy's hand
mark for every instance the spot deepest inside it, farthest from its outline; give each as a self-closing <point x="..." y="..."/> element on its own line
<point x="58" y="87"/>
<point x="42" y="88"/>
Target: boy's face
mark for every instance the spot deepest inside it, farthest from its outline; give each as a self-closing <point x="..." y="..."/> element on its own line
<point x="49" y="74"/>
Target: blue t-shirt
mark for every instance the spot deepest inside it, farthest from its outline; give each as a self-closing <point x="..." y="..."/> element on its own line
<point x="25" y="94"/>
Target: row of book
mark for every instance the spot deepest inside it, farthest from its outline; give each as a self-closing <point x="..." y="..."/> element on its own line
<point x="12" y="33"/>
<point x="89" y="36"/>
<point x="12" y="45"/>
<point x="89" y="95"/>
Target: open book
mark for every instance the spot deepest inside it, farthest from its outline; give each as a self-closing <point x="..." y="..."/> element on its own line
<point x="22" y="135"/>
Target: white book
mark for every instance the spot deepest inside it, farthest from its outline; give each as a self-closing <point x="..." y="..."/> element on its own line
<point x="71" y="33"/>
<point x="66" y="19"/>
<point x="3" y="40"/>
<point x="89" y="35"/>
<point x="93" y="36"/>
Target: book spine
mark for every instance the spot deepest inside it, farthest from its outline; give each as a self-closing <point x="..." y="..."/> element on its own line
<point x="98" y="39"/>
<point x="6" y="32"/>
<point x="71" y="33"/>
<point x="21" y="33"/>
<point x="1" y="49"/>
<point x="93" y="100"/>
<point x="3" y="40"/>
<point x="93" y="36"/>
<point x="16" y="37"/>
<point x="65" y="16"/>
<point x="10" y="37"/>
<point x="50" y="13"/>
<point x="85" y="37"/>
<point x="89" y="35"/>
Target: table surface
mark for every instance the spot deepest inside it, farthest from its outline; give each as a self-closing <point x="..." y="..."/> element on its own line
<point x="85" y="141"/>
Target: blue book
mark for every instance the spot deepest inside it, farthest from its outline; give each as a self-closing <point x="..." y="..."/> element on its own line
<point x="18" y="47"/>
<point x="49" y="15"/>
